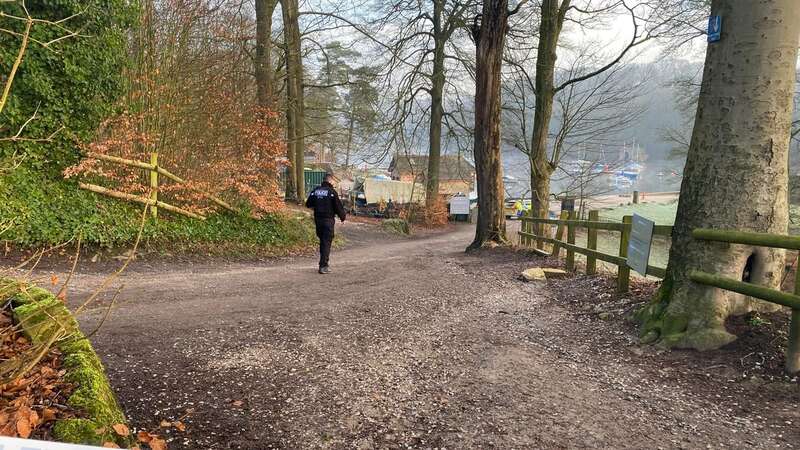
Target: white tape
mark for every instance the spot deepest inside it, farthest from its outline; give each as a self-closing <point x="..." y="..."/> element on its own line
<point x="29" y="444"/>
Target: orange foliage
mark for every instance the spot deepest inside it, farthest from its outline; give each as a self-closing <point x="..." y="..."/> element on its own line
<point x="434" y="217"/>
<point x="241" y="164"/>
<point x="192" y="100"/>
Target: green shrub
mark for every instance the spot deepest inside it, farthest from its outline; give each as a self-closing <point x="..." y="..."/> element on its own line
<point x="41" y="212"/>
<point x="74" y="84"/>
<point x="398" y="226"/>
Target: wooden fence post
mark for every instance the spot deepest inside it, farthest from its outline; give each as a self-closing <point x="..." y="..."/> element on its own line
<point x="541" y="230"/>
<point x="154" y="184"/>
<point x="559" y="234"/>
<point x="793" y="346"/>
<point x="623" y="272"/>
<point x="527" y="227"/>
<point x="571" y="240"/>
<point x="591" y="243"/>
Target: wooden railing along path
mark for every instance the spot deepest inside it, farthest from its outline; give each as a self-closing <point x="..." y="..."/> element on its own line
<point x="792" y="300"/>
<point x="568" y="224"/>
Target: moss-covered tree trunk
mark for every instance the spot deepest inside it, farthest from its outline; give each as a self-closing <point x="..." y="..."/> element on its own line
<point x="736" y="173"/>
<point x="489" y="41"/>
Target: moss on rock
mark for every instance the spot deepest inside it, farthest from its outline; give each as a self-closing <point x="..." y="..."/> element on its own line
<point x="41" y="315"/>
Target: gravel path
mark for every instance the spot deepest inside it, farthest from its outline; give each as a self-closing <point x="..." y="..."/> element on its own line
<point x="410" y="343"/>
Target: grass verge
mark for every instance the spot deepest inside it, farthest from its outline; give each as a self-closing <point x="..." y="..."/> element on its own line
<point x="36" y="211"/>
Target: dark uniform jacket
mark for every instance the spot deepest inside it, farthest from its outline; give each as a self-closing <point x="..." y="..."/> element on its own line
<point x="325" y="202"/>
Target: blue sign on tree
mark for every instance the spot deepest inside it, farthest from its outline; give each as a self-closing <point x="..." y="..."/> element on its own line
<point x="714" y="28"/>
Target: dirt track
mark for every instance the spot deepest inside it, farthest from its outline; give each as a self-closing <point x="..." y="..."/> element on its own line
<point x="410" y="343"/>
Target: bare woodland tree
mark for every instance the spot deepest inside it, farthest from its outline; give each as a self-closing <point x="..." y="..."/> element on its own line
<point x="489" y="32"/>
<point x="591" y="176"/>
<point x="735" y="175"/>
<point x="554" y="15"/>
<point x="588" y="115"/>
<point x="420" y="52"/>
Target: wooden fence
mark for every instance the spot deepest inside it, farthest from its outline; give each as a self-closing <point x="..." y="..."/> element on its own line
<point x="534" y="231"/>
<point x="528" y="237"/>
<point x="155" y="170"/>
<point x="791" y="300"/>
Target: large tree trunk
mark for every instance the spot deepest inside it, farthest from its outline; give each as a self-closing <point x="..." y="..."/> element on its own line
<point x="291" y="95"/>
<point x="300" y="117"/>
<point x="295" y="101"/>
<point x="437" y="109"/>
<point x="489" y="39"/>
<point x="263" y="63"/>
<point x="735" y="175"/>
<point x="541" y="165"/>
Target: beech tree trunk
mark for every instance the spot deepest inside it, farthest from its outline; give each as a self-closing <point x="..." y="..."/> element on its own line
<point x="437" y="109"/>
<point x="291" y="95"/>
<point x="295" y="107"/>
<point x="263" y="63"/>
<point x="552" y="20"/>
<point x="489" y="39"/>
<point x="736" y="174"/>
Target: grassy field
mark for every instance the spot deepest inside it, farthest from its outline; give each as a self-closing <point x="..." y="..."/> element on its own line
<point x="660" y="213"/>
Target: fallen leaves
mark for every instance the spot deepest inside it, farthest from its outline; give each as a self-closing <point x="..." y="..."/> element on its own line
<point x="48" y="414"/>
<point x="30" y="403"/>
<point x="158" y="444"/>
<point x="178" y="425"/>
<point x="144" y="437"/>
<point x="153" y="440"/>
<point x="23" y="428"/>
<point x="121" y="429"/>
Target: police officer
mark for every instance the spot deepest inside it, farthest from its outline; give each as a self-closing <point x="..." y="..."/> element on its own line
<point x="326" y="205"/>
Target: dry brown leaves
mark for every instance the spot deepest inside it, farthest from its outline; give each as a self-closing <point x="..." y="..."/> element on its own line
<point x="152" y="440"/>
<point x="31" y="403"/>
<point x="433" y="217"/>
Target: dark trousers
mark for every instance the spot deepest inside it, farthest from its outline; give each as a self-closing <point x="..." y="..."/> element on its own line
<point x="325" y="235"/>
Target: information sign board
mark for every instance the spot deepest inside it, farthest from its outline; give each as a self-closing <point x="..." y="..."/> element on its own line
<point x="459" y="204"/>
<point x="639" y="244"/>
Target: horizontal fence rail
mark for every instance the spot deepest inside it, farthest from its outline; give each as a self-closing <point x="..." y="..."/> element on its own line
<point x="137" y="199"/>
<point x="753" y="290"/>
<point x="529" y="235"/>
<point x="154" y="169"/>
<point x="748" y="238"/>
<point x="748" y="289"/>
